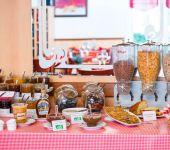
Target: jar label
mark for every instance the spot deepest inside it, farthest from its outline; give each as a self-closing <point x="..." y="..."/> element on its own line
<point x="21" y="116"/>
<point x="43" y="107"/>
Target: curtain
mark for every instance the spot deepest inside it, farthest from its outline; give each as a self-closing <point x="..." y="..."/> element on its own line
<point x="64" y="3"/>
<point x="168" y="3"/>
<point x="144" y="5"/>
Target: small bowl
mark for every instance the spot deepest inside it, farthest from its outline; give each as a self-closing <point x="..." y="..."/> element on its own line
<point x="74" y="111"/>
<point x="92" y="119"/>
<point x="52" y="117"/>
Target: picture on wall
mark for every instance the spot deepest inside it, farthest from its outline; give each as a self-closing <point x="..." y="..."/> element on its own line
<point x="70" y="8"/>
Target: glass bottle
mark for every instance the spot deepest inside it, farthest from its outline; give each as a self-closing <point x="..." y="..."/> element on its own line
<point x="66" y="97"/>
<point x="93" y="94"/>
<point x="43" y="105"/>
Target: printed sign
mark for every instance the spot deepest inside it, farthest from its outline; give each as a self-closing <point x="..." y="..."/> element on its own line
<point x="59" y="125"/>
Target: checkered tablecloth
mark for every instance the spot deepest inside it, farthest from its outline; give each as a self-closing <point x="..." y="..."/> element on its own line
<point x="153" y="136"/>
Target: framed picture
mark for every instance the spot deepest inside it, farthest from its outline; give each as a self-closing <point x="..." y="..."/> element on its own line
<point x="70" y="8"/>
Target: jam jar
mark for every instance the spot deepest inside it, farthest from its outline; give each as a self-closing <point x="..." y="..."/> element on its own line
<point x="27" y="89"/>
<point x="3" y="87"/>
<point x="66" y="97"/>
<point x="93" y="94"/>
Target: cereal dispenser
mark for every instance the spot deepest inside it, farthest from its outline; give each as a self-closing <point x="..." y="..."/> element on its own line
<point x="166" y="67"/>
<point x="123" y="66"/>
<point x="149" y="67"/>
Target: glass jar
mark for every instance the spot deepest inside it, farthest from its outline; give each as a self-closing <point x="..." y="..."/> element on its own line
<point x="148" y="66"/>
<point x="3" y="87"/>
<point x="123" y="66"/>
<point x="14" y="87"/>
<point x="2" y="78"/>
<point x="27" y="89"/>
<point x="93" y="94"/>
<point x="66" y="97"/>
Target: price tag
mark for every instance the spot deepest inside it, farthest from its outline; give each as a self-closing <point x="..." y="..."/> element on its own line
<point x="59" y="125"/>
<point x="149" y="115"/>
<point x="76" y="119"/>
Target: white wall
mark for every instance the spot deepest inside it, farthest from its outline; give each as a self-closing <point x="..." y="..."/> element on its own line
<point x="106" y="19"/>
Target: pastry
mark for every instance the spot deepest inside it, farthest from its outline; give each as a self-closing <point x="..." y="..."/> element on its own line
<point x="138" y="107"/>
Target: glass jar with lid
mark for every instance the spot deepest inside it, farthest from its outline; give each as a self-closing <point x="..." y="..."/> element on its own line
<point x="93" y="94"/>
<point x="65" y="97"/>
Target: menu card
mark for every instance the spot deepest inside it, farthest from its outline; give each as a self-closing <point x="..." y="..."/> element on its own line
<point x="149" y="115"/>
<point x="59" y="125"/>
<point x="76" y="118"/>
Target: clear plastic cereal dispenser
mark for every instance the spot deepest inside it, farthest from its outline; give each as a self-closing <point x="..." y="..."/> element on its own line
<point x="149" y="67"/>
<point x="123" y="67"/>
<point x="166" y="67"/>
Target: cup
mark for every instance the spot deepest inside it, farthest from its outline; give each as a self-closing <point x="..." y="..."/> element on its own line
<point x="11" y="125"/>
<point x="1" y="125"/>
<point x="19" y="111"/>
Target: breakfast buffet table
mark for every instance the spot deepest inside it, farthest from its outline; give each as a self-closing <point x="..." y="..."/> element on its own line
<point x="151" y="135"/>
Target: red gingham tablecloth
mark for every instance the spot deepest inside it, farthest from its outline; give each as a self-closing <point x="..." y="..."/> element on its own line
<point x="114" y="136"/>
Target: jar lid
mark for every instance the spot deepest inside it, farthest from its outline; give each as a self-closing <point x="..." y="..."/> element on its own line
<point x="70" y="93"/>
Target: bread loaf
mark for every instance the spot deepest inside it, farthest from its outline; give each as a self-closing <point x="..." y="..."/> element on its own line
<point x="138" y="107"/>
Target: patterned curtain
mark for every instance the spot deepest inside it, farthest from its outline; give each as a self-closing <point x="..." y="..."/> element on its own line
<point x="144" y="5"/>
<point x="64" y="3"/>
<point x="168" y="3"/>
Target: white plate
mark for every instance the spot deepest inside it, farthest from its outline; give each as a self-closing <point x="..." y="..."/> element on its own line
<point x="162" y="116"/>
<point x="30" y="121"/>
<point x="49" y="126"/>
<point x="98" y="126"/>
<point x="108" y="119"/>
<point x="126" y="124"/>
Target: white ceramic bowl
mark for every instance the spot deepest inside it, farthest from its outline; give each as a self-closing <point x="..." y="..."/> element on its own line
<point x="74" y="111"/>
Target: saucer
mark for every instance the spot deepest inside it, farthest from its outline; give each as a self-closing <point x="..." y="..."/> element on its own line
<point x="29" y="122"/>
<point x="100" y="125"/>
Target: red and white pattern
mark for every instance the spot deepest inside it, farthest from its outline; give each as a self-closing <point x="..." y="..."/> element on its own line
<point x="115" y="136"/>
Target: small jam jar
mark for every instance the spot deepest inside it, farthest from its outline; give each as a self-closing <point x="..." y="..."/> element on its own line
<point x="3" y="87"/>
<point x="14" y="87"/>
<point x="5" y="104"/>
<point x="27" y="88"/>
